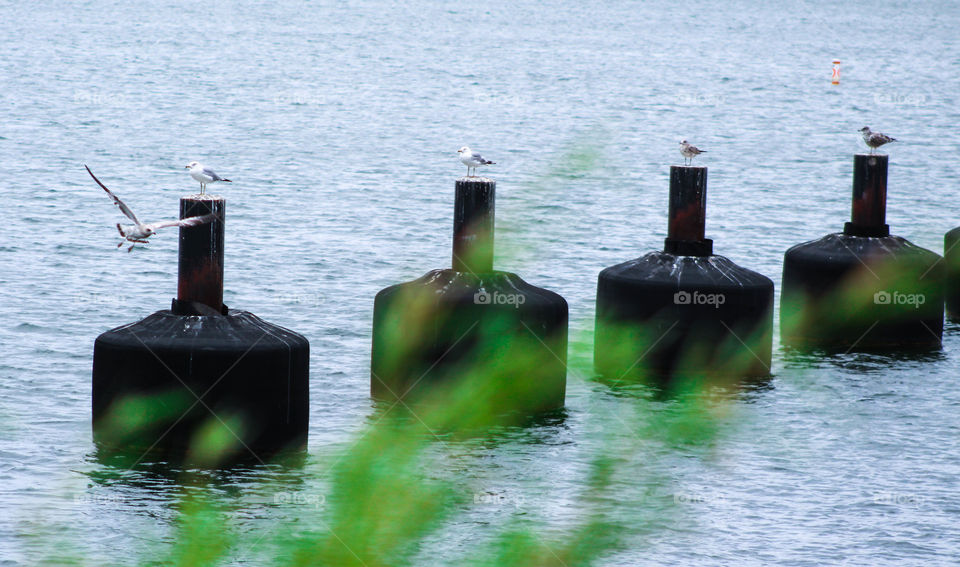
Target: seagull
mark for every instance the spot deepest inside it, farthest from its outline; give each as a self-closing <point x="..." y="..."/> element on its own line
<point x="472" y="159"/>
<point x="138" y="232"/>
<point x="875" y="139"/>
<point x="204" y="175"/>
<point x="689" y="152"/>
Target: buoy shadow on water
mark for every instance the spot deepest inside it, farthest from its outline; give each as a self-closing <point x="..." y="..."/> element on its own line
<point x="454" y="416"/>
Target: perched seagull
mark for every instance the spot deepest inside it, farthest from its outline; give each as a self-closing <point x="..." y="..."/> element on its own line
<point x="472" y="159"/>
<point x="875" y="139"/>
<point x="138" y="232"/>
<point x="689" y="152"/>
<point x="204" y="175"/>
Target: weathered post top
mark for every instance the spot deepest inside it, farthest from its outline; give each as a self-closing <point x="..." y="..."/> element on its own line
<point x="869" y="197"/>
<point x="473" y="215"/>
<point x="687" y="212"/>
<point x="200" y="280"/>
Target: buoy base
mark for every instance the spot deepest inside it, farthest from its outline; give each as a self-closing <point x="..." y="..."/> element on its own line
<point x="216" y="387"/>
<point x="848" y="291"/>
<point x="663" y="317"/>
<point x="492" y="337"/>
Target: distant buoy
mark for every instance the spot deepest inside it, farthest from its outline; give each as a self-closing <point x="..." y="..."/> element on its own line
<point x="951" y="256"/>
<point x="835" y="78"/>
<point x="201" y="378"/>
<point x="684" y="312"/>
<point x="471" y="330"/>
<point x="863" y="288"/>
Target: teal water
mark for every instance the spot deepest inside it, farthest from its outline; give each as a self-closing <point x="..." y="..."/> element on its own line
<point x="339" y="124"/>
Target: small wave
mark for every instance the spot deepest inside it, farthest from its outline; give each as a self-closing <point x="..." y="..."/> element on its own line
<point x="30" y="328"/>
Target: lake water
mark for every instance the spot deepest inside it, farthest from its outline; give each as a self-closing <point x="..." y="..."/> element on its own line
<point x="339" y="123"/>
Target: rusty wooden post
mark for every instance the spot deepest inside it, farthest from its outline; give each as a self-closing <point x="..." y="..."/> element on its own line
<point x="200" y="278"/>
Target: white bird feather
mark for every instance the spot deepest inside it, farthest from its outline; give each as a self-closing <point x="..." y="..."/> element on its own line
<point x="139" y="232"/>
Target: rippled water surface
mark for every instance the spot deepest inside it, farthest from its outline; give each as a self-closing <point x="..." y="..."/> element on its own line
<point x="339" y="124"/>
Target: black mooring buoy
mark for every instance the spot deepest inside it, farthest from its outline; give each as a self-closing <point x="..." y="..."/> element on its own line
<point x="684" y="312"/>
<point x="200" y="377"/>
<point x="471" y="331"/>
<point x="862" y="288"/>
<point x="951" y="257"/>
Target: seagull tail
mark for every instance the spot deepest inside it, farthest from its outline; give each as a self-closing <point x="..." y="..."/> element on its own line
<point x="120" y="230"/>
<point x="488" y="162"/>
<point x="227" y="180"/>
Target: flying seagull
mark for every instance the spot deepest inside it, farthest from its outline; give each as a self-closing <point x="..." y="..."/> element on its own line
<point x="875" y="139"/>
<point x="139" y="232"/>
<point x="689" y="152"/>
<point x="204" y="175"/>
<point x="472" y="159"/>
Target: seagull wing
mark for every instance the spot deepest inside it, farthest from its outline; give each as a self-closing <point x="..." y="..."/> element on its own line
<point x="123" y="207"/>
<point x="189" y="221"/>
<point x="212" y="174"/>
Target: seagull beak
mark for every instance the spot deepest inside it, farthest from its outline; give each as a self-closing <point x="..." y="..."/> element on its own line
<point x="186" y="167"/>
